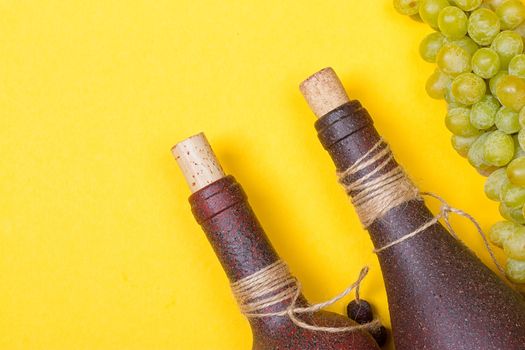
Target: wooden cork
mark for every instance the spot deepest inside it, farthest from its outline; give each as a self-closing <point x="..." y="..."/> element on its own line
<point x="198" y="163"/>
<point x="324" y="92"/>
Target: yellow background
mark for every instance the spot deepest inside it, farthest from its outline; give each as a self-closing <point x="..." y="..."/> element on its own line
<point x="98" y="248"/>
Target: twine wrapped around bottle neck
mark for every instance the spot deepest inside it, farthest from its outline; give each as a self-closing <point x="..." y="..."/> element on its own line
<point x="275" y="284"/>
<point x="375" y="194"/>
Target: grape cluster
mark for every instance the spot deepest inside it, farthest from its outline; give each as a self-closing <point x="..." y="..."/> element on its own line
<point x="477" y="46"/>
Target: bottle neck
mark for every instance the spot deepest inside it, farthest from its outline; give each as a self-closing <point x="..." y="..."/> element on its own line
<point x="232" y="228"/>
<point x="347" y="133"/>
<point x="238" y="239"/>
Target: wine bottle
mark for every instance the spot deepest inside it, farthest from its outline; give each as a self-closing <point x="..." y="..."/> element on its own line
<point x="441" y="296"/>
<point x="220" y="206"/>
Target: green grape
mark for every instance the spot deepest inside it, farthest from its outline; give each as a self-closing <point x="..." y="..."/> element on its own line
<point x="521" y="140"/>
<point x="475" y="153"/>
<point x="491" y="100"/>
<point x="517" y="66"/>
<point x="486" y="170"/>
<point x="507" y="121"/>
<point x="495" y="183"/>
<point x="485" y="5"/>
<point x="511" y="14"/>
<point x="430" y="46"/>
<point x="493" y="4"/>
<point x="518" y="150"/>
<point x="521" y="117"/>
<point x="453" y="22"/>
<point x="513" y="196"/>
<point x="500" y="231"/>
<point x="407" y="7"/>
<point x="451" y="105"/>
<point x="458" y="122"/>
<point x="507" y="44"/>
<point x="485" y="63"/>
<point x="467" y="5"/>
<point x="462" y="144"/>
<point x="437" y="85"/>
<point x="429" y="11"/>
<point x="515" y="270"/>
<point x="521" y="30"/>
<point x="512" y="214"/>
<point x="518" y="141"/>
<point x="495" y="80"/>
<point x="514" y="245"/>
<point x="451" y="101"/>
<point x="468" y="88"/>
<point x="483" y="26"/>
<point x="510" y="91"/>
<point x="483" y="113"/>
<point x="516" y="172"/>
<point x="498" y="149"/>
<point x="465" y="43"/>
<point x="453" y="60"/>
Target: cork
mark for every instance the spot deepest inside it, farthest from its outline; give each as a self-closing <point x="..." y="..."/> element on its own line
<point x="198" y="163"/>
<point x="324" y="92"/>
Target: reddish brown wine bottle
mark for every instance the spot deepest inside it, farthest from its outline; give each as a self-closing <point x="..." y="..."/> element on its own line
<point x="441" y="296"/>
<point x="220" y="206"/>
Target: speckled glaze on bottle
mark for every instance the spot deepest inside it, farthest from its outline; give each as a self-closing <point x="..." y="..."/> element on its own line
<point x="242" y="247"/>
<point x="441" y="296"/>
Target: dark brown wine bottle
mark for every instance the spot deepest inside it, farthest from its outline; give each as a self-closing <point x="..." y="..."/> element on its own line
<point x="220" y="206"/>
<point x="441" y="296"/>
